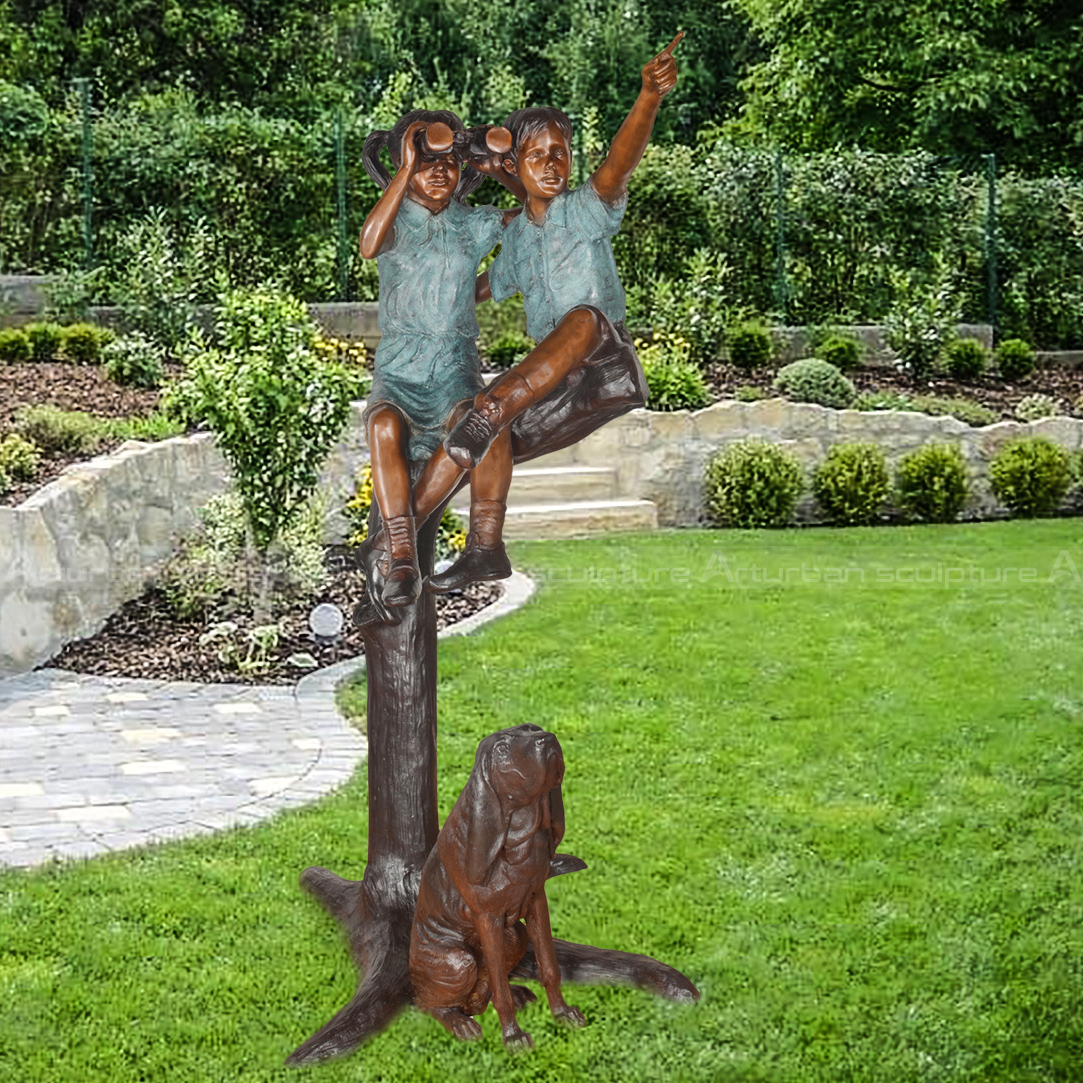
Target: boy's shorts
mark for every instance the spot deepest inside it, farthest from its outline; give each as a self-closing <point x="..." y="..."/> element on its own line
<point x="608" y="383"/>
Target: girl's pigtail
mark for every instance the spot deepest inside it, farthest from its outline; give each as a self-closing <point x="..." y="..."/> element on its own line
<point x="370" y="157"/>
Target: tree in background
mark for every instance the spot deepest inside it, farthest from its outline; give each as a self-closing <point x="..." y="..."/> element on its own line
<point x="948" y="76"/>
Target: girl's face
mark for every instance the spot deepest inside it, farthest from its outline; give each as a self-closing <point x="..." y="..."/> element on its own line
<point x="434" y="181"/>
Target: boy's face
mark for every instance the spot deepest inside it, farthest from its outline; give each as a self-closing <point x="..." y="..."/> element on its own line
<point x="543" y="163"/>
<point x="434" y="181"/>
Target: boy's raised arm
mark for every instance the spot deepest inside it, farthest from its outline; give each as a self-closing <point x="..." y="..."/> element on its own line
<point x="659" y="77"/>
<point x="381" y="219"/>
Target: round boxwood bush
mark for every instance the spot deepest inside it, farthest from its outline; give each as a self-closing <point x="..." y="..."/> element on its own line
<point x="932" y="483"/>
<point x="83" y="342"/>
<point x="15" y="346"/>
<point x="1031" y="476"/>
<point x="1015" y="359"/>
<point x="852" y="483"/>
<point x="965" y="358"/>
<point x="19" y="457"/>
<point x="841" y="351"/>
<point x="813" y="380"/>
<point x="133" y="360"/>
<point x="753" y="484"/>
<point x="749" y="345"/>
<point x="1035" y="407"/>
<point x="45" y="340"/>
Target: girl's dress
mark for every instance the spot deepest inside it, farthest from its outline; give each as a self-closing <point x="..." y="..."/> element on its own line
<point x="427" y="360"/>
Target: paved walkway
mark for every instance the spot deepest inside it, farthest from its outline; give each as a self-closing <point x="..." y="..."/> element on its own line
<point x="95" y="764"/>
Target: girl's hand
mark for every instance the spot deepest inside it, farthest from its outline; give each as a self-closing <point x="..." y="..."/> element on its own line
<point x="410" y="152"/>
<point x="660" y="74"/>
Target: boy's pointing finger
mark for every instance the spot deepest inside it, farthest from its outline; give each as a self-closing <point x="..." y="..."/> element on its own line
<point x="668" y="50"/>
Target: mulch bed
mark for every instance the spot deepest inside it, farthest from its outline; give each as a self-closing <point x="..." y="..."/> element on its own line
<point x="71" y="387"/>
<point x="1063" y="383"/>
<point x="144" y="639"/>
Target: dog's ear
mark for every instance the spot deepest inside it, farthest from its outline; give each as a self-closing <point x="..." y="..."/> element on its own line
<point x="484" y="827"/>
<point x="556" y="819"/>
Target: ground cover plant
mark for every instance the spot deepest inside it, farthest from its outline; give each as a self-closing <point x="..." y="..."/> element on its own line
<point x="870" y="869"/>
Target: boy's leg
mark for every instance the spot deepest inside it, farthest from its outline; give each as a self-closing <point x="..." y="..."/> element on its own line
<point x="572" y="340"/>
<point x="484" y="557"/>
<point x="394" y="549"/>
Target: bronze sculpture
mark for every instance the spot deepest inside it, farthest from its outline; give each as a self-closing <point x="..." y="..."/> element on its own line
<point x="484" y="877"/>
<point x="432" y="427"/>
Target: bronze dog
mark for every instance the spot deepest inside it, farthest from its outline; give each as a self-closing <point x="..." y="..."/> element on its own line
<point x="484" y="876"/>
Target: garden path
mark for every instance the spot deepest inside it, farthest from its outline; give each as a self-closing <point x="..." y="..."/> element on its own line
<point x="98" y="764"/>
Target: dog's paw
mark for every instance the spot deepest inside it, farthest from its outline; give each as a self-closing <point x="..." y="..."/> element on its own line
<point x="569" y="1016"/>
<point x="517" y="1041"/>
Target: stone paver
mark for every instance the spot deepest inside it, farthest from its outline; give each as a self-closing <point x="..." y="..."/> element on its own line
<point x="91" y="765"/>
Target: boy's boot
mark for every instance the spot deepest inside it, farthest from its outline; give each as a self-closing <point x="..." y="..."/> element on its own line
<point x="395" y="550"/>
<point x="484" y="557"/>
<point x="493" y="409"/>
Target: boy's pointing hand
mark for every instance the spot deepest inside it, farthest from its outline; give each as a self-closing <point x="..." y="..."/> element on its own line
<point x="660" y="74"/>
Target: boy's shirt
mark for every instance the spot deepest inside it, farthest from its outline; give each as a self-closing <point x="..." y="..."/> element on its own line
<point x="564" y="262"/>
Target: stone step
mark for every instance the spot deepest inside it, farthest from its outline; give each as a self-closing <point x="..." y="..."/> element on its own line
<point x="575" y="520"/>
<point x="562" y="484"/>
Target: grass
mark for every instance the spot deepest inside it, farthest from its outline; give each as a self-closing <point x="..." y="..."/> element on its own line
<point x="846" y="803"/>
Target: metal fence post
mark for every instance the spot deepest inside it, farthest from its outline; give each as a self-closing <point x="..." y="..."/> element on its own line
<point x="82" y="85"/>
<point x="991" y="284"/>
<point x="780" y="237"/>
<point x="340" y="187"/>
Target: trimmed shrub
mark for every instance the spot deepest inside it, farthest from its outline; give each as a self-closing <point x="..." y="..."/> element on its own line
<point x="965" y="358"/>
<point x="509" y="349"/>
<point x="58" y="432"/>
<point x="813" y="380"/>
<point x="1035" y="407"/>
<point x="674" y="382"/>
<point x="749" y="345"/>
<point x="46" y="340"/>
<point x="1031" y="476"/>
<point x="83" y="342"/>
<point x="852" y="483"/>
<point x="1015" y="359"/>
<point x="753" y="484"/>
<point x="932" y="483"/>
<point x="134" y="361"/>
<point x="19" y="457"/>
<point x="15" y="346"/>
<point x="842" y="351"/>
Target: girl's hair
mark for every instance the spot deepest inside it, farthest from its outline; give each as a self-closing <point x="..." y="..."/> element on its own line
<point x="469" y="179"/>
<point x="524" y="123"/>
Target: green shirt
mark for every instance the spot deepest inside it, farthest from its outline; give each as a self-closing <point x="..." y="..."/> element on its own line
<point x="565" y="262"/>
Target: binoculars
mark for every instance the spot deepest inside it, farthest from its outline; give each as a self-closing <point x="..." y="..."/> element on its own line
<point x="474" y="144"/>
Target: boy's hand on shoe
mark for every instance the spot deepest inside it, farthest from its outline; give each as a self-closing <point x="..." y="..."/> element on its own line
<point x="660" y="74"/>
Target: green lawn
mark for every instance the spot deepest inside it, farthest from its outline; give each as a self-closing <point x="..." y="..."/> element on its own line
<point x="847" y="804"/>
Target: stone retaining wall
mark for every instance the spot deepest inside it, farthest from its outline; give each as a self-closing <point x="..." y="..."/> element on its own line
<point x="662" y="456"/>
<point x="79" y="548"/>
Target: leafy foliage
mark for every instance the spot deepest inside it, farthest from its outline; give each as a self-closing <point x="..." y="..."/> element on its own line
<point x="922" y="321"/>
<point x="19" y="457"/>
<point x="813" y="380"/>
<point x="932" y="483"/>
<point x="965" y="358"/>
<point x="276" y="408"/>
<point x="509" y="349"/>
<point x="749" y="345"/>
<point x="852" y="483"/>
<point x="753" y="484"/>
<point x="1031" y="476"/>
<point x="15" y="346"/>
<point x="1035" y="407"/>
<point x="1015" y="359"/>
<point x="134" y="360"/>
<point x="674" y="382"/>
